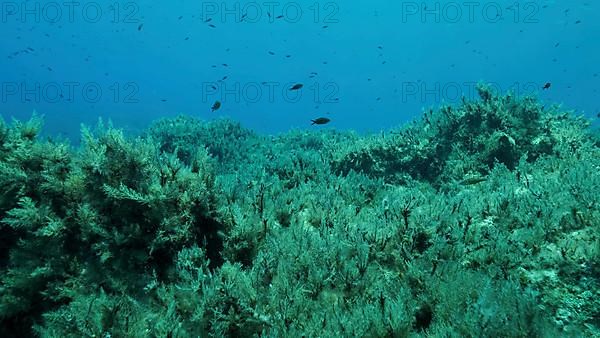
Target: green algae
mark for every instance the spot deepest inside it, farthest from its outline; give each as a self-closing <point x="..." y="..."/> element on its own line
<point x="477" y="220"/>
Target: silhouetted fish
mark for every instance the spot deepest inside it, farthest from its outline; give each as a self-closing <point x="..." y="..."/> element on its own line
<point x="297" y="86"/>
<point x="547" y="85"/>
<point x="216" y="106"/>
<point x="320" y="120"/>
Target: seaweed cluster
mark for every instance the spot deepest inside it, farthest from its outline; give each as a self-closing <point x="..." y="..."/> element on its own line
<point x="478" y="220"/>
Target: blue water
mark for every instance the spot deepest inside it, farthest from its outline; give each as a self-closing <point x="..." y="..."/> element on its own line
<point x="376" y="64"/>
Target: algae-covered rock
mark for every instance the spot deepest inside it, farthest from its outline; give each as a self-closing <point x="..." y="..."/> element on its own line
<point x="478" y="220"/>
<point x="111" y="214"/>
<point x="472" y="138"/>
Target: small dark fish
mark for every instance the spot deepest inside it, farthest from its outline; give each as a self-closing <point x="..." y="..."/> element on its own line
<point x="547" y="85"/>
<point x="279" y="17"/>
<point x="208" y="20"/>
<point x="216" y="106"/>
<point x="320" y="120"/>
<point x="472" y="180"/>
<point x="179" y="18"/>
<point x="297" y="86"/>
<point x="224" y="78"/>
<point x="577" y="22"/>
<point x="212" y="26"/>
<point x="271" y="53"/>
<point x="224" y="65"/>
<point x="140" y="27"/>
<point x="187" y="38"/>
<point x="163" y="100"/>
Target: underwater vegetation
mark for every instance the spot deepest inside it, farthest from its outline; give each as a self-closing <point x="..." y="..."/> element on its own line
<point x="478" y="220"/>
